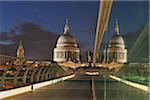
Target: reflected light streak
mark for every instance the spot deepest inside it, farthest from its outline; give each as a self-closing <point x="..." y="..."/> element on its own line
<point x="138" y="42"/>
<point x="136" y="85"/>
<point x="102" y="23"/>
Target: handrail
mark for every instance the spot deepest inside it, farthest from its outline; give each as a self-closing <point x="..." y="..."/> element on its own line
<point x="13" y="92"/>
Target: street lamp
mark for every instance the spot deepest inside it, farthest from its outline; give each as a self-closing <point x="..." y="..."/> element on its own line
<point x="7" y="63"/>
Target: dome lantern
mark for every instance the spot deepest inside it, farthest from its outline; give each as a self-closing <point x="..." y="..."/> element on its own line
<point x="66" y="28"/>
<point x="117" y="28"/>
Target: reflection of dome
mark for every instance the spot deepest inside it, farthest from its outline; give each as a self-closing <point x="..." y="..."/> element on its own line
<point x="66" y="40"/>
<point x="116" y="41"/>
<point x="66" y="47"/>
<point x="116" y="48"/>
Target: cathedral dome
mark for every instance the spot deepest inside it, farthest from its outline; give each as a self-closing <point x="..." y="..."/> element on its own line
<point x="66" y="47"/>
<point x="116" y="40"/>
<point x="116" y="51"/>
<point x="66" y="39"/>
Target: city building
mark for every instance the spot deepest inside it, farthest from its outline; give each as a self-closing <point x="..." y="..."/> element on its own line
<point x="66" y="47"/>
<point x="20" y="55"/>
<point x="116" y="50"/>
<point x="6" y="59"/>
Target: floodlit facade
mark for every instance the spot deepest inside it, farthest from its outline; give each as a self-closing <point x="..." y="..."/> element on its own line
<point x="116" y="50"/>
<point x="66" y="47"/>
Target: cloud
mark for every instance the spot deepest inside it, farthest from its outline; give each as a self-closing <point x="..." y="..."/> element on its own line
<point x="38" y="42"/>
<point x="7" y="42"/>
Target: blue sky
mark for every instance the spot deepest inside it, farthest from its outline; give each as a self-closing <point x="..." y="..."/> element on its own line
<point x="50" y="16"/>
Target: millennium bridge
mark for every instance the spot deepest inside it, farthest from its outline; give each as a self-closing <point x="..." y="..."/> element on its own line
<point x="44" y="80"/>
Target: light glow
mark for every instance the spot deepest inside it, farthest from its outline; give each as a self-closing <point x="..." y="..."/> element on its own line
<point x="13" y="92"/>
<point x="39" y="85"/>
<point x="91" y="73"/>
<point x="136" y="85"/>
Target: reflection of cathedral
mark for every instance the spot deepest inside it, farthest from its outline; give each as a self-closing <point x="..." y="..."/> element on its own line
<point x="20" y="55"/>
<point x="66" y="47"/>
<point x="116" y="50"/>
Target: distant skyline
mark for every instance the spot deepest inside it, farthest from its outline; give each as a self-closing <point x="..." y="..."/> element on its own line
<point x="50" y="16"/>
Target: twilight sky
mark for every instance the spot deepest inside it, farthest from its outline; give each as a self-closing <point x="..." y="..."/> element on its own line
<point x="49" y="16"/>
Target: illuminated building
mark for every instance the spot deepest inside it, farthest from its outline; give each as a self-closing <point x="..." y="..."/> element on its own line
<point x="20" y="54"/>
<point x="116" y="50"/>
<point x="66" y="47"/>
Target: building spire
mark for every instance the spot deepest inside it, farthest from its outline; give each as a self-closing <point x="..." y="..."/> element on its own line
<point x="117" y="28"/>
<point x="20" y="51"/>
<point x="20" y="44"/>
<point x="20" y="55"/>
<point x="66" y="28"/>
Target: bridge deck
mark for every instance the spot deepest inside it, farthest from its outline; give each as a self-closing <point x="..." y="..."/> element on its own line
<point x="79" y="88"/>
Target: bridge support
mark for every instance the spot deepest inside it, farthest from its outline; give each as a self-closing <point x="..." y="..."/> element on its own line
<point x="25" y="75"/>
<point x="44" y="74"/>
<point x="39" y="74"/>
